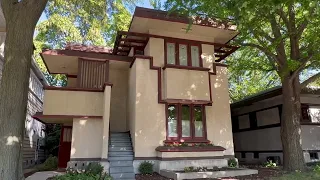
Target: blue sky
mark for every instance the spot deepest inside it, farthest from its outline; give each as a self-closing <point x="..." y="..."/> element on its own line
<point x="141" y="3"/>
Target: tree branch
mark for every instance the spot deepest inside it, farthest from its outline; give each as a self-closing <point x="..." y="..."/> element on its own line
<point x="281" y="52"/>
<point x="302" y="66"/>
<point x="310" y="80"/>
<point x="264" y="50"/>
<point x="283" y="16"/>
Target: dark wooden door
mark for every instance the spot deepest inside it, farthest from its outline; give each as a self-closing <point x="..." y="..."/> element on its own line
<point x="65" y="147"/>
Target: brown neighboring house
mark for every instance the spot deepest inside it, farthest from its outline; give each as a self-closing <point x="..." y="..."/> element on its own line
<point x="256" y="122"/>
<point x="159" y="86"/>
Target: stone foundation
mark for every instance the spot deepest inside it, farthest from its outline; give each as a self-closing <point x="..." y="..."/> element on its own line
<point x="78" y="165"/>
<point x="178" y="165"/>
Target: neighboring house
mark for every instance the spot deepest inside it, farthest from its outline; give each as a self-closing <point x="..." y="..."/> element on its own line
<point x="33" y="152"/>
<point x="159" y="85"/>
<point x="256" y="124"/>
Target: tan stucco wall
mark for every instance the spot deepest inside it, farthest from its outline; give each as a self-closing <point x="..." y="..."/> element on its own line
<point x="208" y="56"/>
<point x="150" y="124"/>
<point x="218" y="117"/>
<point x="72" y="82"/>
<point x="186" y="84"/>
<point x="106" y="122"/>
<point x="131" y="113"/>
<point x="189" y="154"/>
<point x="118" y="109"/>
<point x="73" y="103"/>
<point x="155" y="48"/>
<point x="182" y="35"/>
<point x="86" y="138"/>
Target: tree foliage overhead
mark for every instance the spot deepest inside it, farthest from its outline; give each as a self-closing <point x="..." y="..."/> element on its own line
<point x="93" y="22"/>
<point x="281" y="36"/>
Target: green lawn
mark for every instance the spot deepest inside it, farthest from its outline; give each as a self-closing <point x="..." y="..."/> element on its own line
<point x="311" y="175"/>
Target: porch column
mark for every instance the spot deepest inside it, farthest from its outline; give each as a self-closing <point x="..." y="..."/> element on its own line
<point x="105" y="129"/>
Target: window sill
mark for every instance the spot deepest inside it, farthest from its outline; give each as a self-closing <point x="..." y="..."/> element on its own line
<point x="188" y="141"/>
<point x="185" y="67"/>
<point x="189" y="148"/>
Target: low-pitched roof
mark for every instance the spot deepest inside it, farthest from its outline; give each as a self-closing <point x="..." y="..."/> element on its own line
<point x="269" y="93"/>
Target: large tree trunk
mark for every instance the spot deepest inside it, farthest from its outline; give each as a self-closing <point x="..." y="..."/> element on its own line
<point x="290" y="125"/>
<point x="21" y="18"/>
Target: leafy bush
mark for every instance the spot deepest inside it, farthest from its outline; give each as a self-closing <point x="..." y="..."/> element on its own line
<point x="82" y="176"/>
<point x="49" y="165"/>
<point x="189" y="169"/>
<point x="317" y="168"/>
<point x="232" y="163"/>
<point x="270" y="164"/>
<point x="94" y="171"/>
<point x="146" y="168"/>
<point x="94" y="168"/>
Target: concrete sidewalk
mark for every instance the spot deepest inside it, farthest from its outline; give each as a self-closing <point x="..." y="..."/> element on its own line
<point x="43" y="175"/>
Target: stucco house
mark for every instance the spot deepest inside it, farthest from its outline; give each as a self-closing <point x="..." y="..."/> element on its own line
<point x="160" y="84"/>
<point x="34" y="134"/>
<point x="256" y="124"/>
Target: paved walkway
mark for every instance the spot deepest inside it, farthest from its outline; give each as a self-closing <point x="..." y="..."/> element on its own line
<point x="43" y="175"/>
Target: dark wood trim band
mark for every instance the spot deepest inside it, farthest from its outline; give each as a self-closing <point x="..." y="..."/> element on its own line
<point x="186" y="101"/>
<point x="190" y="149"/>
<point x="310" y="123"/>
<point x="220" y="64"/>
<point x="89" y="159"/>
<point x="172" y="66"/>
<point x="182" y="158"/>
<point x="77" y="89"/>
<point x="258" y="128"/>
<point x="260" y="151"/>
<point x="82" y="54"/>
<point x="39" y="116"/>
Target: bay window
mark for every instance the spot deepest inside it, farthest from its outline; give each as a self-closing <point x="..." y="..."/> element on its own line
<point x="186" y="122"/>
<point x="183" y="54"/>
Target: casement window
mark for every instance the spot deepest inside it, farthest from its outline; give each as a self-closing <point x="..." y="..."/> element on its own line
<point x="185" y="122"/>
<point x="183" y="54"/>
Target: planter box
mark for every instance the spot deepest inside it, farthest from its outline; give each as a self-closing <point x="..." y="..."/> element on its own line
<point x="210" y="174"/>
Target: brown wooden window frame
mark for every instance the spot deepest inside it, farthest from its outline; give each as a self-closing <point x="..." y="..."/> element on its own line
<point x="192" y="137"/>
<point x="177" y="52"/>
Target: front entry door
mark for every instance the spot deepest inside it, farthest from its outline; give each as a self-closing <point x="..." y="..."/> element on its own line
<point x="65" y="146"/>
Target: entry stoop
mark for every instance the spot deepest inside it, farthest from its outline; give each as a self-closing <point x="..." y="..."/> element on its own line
<point x="121" y="156"/>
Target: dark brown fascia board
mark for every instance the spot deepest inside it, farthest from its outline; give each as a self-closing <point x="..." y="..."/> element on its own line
<point x="166" y="16"/>
<point x="95" y="55"/>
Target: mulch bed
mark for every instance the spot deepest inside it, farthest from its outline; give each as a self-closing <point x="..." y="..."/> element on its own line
<point x="264" y="174"/>
<point x="154" y="176"/>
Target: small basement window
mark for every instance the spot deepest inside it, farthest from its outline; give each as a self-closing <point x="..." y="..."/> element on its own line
<point x="314" y="155"/>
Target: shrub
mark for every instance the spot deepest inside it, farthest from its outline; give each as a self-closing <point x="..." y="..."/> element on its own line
<point x="270" y="164"/>
<point x="317" y="168"/>
<point x="189" y="169"/>
<point x="232" y="163"/>
<point x="49" y="165"/>
<point x="94" y="168"/>
<point x="146" y="168"/>
<point x="94" y="171"/>
<point x="82" y="176"/>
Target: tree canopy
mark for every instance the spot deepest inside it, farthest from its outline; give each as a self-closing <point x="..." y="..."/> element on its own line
<point x="279" y="35"/>
<point x="84" y="22"/>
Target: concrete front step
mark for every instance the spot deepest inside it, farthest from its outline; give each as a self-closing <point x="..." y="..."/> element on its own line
<point x="120" y="163"/>
<point x="120" y="158"/>
<point x="123" y="175"/>
<point x="119" y="144"/>
<point x="119" y="135"/>
<point x="111" y="149"/>
<point x="123" y="169"/>
<point x="120" y="153"/>
<point x="120" y="141"/>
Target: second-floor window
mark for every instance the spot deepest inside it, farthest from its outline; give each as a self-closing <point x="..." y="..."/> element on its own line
<point x="183" y="54"/>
